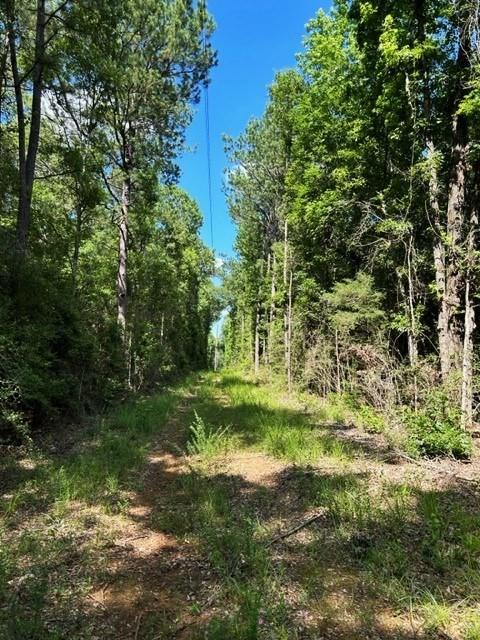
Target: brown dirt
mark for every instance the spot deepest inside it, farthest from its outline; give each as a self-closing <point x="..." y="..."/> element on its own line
<point x="153" y="578"/>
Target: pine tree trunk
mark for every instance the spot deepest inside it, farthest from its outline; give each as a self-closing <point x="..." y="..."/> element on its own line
<point x="467" y="364"/>
<point x="285" y="306"/>
<point x="272" y="311"/>
<point x="289" y="334"/>
<point x="468" y="346"/>
<point x="455" y="224"/>
<point x="434" y="202"/>
<point x="266" y="340"/>
<point x="456" y="218"/>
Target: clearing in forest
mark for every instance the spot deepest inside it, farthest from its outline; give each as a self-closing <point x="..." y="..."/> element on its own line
<point x="224" y="509"/>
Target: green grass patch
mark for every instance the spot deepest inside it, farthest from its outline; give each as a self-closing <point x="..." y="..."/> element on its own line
<point x="41" y="537"/>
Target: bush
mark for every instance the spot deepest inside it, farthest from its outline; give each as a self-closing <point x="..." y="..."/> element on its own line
<point x="435" y="430"/>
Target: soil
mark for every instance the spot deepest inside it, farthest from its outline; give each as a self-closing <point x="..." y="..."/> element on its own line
<point x="154" y="580"/>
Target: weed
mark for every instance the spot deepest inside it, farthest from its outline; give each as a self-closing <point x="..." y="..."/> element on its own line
<point x="434" y="430"/>
<point x="436" y="615"/>
<point x="206" y="441"/>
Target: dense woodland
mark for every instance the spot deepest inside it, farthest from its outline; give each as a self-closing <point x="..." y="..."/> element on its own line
<point x="356" y="199"/>
<point x="322" y="481"/>
<point x="104" y="282"/>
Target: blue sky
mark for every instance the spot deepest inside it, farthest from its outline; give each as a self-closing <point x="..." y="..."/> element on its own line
<point x="254" y="39"/>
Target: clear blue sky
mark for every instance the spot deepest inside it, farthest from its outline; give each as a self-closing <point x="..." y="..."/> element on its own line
<point x="254" y="39"/>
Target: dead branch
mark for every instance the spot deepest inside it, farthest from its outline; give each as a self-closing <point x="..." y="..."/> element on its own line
<point x="299" y="527"/>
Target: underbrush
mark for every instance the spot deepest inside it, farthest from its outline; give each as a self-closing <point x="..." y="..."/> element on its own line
<point x="98" y="468"/>
<point x="434" y="429"/>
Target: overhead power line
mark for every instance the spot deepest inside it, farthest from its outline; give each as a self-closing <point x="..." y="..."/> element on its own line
<point x="209" y="164"/>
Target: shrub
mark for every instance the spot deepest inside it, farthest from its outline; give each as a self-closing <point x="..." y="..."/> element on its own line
<point x="435" y="430"/>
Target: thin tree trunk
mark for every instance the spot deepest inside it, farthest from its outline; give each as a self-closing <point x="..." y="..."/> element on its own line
<point x="413" y="332"/>
<point x="257" y="339"/>
<point x="285" y="285"/>
<point x="122" y="292"/>
<point x="467" y="363"/>
<point x="162" y="328"/>
<point x="76" y="247"/>
<point x="272" y="310"/>
<point x="3" y="67"/>
<point x="242" y="336"/>
<point x="22" y="216"/>
<point x="289" y="333"/>
<point x="337" y="358"/>
<point x="27" y="163"/>
<point x="266" y="340"/>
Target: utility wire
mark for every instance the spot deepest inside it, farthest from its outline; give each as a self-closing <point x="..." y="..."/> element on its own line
<point x="209" y="165"/>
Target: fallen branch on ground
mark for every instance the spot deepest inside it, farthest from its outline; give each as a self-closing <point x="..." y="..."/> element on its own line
<point x="299" y="527"/>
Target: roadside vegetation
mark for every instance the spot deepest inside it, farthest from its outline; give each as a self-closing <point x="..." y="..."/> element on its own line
<point x="382" y="550"/>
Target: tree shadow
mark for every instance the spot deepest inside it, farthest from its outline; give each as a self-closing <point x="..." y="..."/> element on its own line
<point x="374" y="445"/>
<point x="200" y="542"/>
<point x="333" y="575"/>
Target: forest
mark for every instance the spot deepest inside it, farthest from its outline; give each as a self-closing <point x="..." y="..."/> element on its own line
<point x="277" y="444"/>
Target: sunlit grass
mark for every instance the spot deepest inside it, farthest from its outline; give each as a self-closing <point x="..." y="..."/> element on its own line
<point x="412" y="550"/>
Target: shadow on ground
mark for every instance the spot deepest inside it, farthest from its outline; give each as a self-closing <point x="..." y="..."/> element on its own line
<point x="191" y="555"/>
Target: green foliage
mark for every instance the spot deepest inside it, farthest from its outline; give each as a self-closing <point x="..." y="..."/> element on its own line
<point x="104" y="90"/>
<point x="355" y="305"/>
<point x="434" y="429"/>
<point x="371" y="420"/>
<point x="206" y="441"/>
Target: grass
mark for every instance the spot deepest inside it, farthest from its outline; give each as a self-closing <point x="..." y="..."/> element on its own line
<point x="263" y="420"/>
<point x="42" y="530"/>
<point x="385" y="548"/>
<point x="417" y="549"/>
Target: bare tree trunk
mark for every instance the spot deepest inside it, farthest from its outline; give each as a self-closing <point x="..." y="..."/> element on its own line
<point x="266" y="339"/>
<point x="76" y="246"/>
<point x="28" y="156"/>
<point x="456" y="216"/>
<point x="285" y="286"/>
<point x="455" y="224"/>
<point x="272" y="310"/>
<point x="337" y="358"/>
<point x="242" y="335"/>
<point x="3" y="66"/>
<point x="122" y="292"/>
<point x="289" y="334"/>
<point x="413" y="332"/>
<point x="162" y="328"/>
<point x="467" y="363"/>
<point x="257" y="339"/>
<point x="21" y="129"/>
<point x="434" y="202"/>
